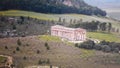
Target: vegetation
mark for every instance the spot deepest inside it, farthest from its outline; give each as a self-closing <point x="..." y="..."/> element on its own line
<point x="17" y="49"/>
<point x="19" y="42"/>
<point x="51" y="6"/>
<point x="38" y="51"/>
<point x="50" y="38"/>
<point x="47" y="46"/>
<point x="103" y="46"/>
<point x="6" y="47"/>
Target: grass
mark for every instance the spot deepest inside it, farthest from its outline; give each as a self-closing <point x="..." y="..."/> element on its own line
<point x="55" y="17"/>
<point x="50" y="38"/>
<point x="2" y="59"/>
<point x="87" y="53"/>
<point x="103" y="36"/>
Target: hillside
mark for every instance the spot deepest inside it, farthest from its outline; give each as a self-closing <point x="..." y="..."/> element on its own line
<point x="33" y="50"/>
<point x="52" y="6"/>
<point x="56" y="17"/>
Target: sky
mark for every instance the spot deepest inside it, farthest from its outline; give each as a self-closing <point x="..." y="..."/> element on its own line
<point x="108" y="5"/>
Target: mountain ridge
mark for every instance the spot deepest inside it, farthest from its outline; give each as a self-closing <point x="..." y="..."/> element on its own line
<point x="52" y="6"/>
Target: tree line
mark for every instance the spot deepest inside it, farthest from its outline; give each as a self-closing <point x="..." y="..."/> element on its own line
<point x="104" y="46"/>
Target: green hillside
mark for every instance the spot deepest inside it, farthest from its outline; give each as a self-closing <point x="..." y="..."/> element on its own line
<point x="55" y="17"/>
<point x="68" y="17"/>
<point x="103" y="36"/>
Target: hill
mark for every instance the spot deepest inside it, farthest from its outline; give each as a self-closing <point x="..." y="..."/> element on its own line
<point x="33" y="52"/>
<point x="52" y="6"/>
<point x="39" y="23"/>
<point x="56" y="17"/>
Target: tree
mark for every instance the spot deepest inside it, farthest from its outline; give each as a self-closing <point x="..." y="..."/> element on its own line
<point x="103" y="26"/>
<point x="87" y="44"/>
<point x="109" y="27"/>
<point x="98" y="47"/>
<point x="106" y="48"/>
<point x="60" y="20"/>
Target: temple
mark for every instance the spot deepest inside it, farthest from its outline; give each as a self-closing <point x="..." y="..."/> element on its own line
<point x="71" y="34"/>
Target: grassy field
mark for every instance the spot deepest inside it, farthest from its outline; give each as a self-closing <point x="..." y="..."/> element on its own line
<point x="103" y="36"/>
<point x="50" y="38"/>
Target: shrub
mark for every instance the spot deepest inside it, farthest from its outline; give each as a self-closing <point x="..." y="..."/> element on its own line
<point x="98" y="47"/>
<point x="106" y="48"/>
<point x="47" y="47"/>
<point x="19" y="42"/>
<point x="87" y="44"/>
<point x="38" y="51"/>
<point x="46" y="44"/>
<point x="17" y="49"/>
<point x="116" y="50"/>
<point x="6" y="47"/>
<point x="76" y="45"/>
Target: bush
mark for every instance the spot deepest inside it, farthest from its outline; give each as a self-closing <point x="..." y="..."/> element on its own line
<point x="116" y="50"/>
<point x="104" y="42"/>
<point x="106" y="48"/>
<point x="76" y="45"/>
<point x="47" y="47"/>
<point x="17" y="49"/>
<point x="38" y="51"/>
<point x="46" y="44"/>
<point x="19" y="42"/>
<point x="88" y="44"/>
<point x="6" y="47"/>
<point x="98" y="47"/>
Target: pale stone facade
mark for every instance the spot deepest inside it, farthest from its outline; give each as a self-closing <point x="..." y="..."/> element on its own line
<point x="71" y="34"/>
